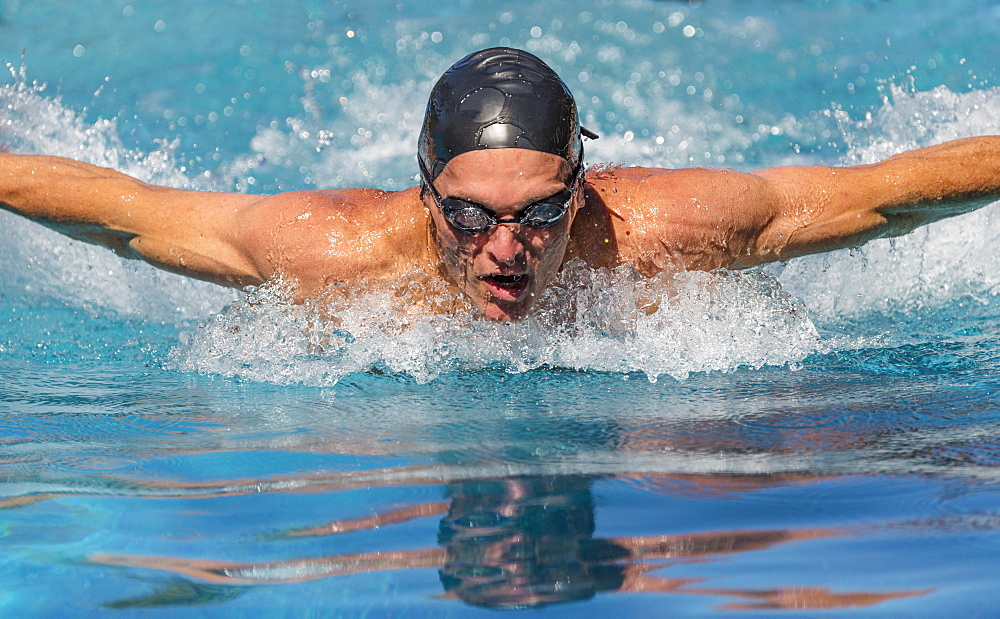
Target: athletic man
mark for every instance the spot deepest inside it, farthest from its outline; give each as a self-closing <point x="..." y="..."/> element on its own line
<point x="503" y="204"/>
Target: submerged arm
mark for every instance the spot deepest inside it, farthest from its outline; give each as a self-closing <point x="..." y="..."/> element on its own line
<point x="187" y="232"/>
<point x="817" y="209"/>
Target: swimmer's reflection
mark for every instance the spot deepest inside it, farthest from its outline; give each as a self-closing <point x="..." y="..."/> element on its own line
<point x="521" y="542"/>
<point x="525" y="542"/>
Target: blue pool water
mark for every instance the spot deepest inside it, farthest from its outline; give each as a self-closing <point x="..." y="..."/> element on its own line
<point x="823" y="434"/>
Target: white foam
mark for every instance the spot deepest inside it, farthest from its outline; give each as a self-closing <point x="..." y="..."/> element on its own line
<point x="590" y="320"/>
<point x="371" y="135"/>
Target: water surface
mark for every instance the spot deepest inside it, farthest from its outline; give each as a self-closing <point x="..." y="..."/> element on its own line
<point x="816" y="435"/>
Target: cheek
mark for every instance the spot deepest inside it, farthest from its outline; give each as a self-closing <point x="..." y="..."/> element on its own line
<point x="549" y="248"/>
<point x="455" y="253"/>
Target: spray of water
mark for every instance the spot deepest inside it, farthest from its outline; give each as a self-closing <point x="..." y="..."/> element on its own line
<point x="948" y="262"/>
<point x="44" y="263"/>
<point x="613" y="321"/>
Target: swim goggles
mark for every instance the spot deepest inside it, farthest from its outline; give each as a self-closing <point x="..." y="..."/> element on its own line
<point x="473" y="218"/>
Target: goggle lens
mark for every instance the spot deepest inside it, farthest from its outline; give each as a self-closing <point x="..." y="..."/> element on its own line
<point x="473" y="218"/>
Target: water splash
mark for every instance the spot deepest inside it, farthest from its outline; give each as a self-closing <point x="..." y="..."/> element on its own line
<point x="46" y="264"/>
<point x="33" y="123"/>
<point x="612" y="321"/>
<point x="934" y="266"/>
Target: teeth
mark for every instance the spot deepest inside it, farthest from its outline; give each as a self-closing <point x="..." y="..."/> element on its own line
<point x="507" y="281"/>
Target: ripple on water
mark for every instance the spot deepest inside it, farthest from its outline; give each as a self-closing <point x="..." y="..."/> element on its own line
<point x="854" y="505"/>
<point x="914" y="361"/>
<point x="86" y="428"/>
<point x="963" y="454"/>
<point x="93" y="453"/>
<point x="796" y="419"/>
<point x="94" y="462"/>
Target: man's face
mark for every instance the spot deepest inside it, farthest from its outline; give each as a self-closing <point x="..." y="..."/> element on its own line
<point x="503" y="270"/>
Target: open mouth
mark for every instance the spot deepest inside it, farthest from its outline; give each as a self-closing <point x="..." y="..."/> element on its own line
<point x="506" y="287"/>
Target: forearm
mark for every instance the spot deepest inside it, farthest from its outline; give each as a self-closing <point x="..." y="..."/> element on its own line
<point x="913" y="188"/>
<point x="186" y="232"/>
<point x="823" y="208"/>
<point x="925" y="185"/>
<point x="64" y="193"/>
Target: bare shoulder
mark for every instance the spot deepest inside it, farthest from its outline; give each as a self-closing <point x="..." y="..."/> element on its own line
<point x="659" y="219"/>
<point x="320" y="237"/>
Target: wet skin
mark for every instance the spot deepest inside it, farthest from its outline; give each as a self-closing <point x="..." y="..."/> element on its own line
<point x="505" y="269"/>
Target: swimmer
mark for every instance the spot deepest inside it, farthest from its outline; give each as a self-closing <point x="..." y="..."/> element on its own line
<point x="503" y="204"/>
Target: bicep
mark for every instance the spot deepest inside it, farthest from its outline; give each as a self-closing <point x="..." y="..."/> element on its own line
<point x="193" y="233"/>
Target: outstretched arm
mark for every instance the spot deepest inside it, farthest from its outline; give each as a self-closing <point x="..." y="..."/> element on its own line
<point x="187" y="232"/>
<point x="819" y="208"/>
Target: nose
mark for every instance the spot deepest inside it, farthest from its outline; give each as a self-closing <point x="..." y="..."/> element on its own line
<point x="504" y="247"/>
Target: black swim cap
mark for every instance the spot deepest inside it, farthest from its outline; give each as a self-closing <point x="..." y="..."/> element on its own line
<point x="499" y="98"/>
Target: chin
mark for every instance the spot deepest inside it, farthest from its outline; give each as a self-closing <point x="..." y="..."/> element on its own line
<point x="508" y="312"/>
